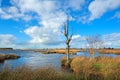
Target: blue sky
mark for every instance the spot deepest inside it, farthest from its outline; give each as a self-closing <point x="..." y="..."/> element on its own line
<point x="38" y="23"/>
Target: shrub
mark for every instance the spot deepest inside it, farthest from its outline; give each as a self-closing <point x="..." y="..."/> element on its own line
<point x="64" y="63"/>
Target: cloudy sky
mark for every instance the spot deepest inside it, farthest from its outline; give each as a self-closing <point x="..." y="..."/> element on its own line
<point x="38" y="23"/>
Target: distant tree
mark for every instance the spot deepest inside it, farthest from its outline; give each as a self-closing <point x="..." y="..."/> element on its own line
<point x="94" y="42"/>
<point x="68" y="37"/>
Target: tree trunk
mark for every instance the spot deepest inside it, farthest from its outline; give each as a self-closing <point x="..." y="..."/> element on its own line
<point x="68" y="51"/>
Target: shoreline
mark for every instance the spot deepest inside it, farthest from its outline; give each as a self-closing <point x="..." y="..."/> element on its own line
<point x="59" y="51"/>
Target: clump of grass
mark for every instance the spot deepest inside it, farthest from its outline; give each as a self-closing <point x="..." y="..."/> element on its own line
<point x="97" y="68"/>
<point x="64" y="62"/>
<point x="26" y="73"/>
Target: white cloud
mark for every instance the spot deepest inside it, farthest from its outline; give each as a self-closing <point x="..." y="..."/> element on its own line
<point x="98" y="7"/>
<point x="76" y="4"/>
<point x="10" y="12"/>
<point x="108" y="40"/>
<point x="78" y="41"/>
<point x="75" y="36"/>
<point x="43" y="35"/>
<point x="51" y="16"/>
<point x="117" y="15"/>
<point x="112" y="40"/>
<point x="36" y="6"/>
<point x="53" y="20"/>
<point x="50" y="19"/>
<point x="7" y="40"/>
<point x="78" y="38"/>
<point x="30" y="9"/>
<point x="112" y="37"/>
<point x="1" y="11"/>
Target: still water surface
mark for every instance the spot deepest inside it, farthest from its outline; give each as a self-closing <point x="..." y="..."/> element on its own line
<point x="37" y="59"/>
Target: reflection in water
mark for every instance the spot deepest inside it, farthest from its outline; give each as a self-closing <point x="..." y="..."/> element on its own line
<point x="36" y="59"/>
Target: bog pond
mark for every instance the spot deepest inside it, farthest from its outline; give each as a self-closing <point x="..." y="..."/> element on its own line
<point x="37" y="59"/>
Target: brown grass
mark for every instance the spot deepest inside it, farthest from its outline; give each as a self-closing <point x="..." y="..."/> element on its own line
<point x="98" y="68"/>
<point x="25" y="73"/>
<point x="58" y="51"/>
<point x="64" y="63"/>
<point x="74" y="51"/>
<point x="8" y="56"/>
<point x="108" y="51"/>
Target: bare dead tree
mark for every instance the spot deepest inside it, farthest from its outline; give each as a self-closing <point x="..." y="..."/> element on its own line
<point x="68" y="38"/>
<point x="94" y="42"/>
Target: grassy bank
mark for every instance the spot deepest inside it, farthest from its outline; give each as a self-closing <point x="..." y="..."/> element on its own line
<point x="108" y="51"/>
<point x="99" y="68"/>
<point x="58" y="51"/>
<point x="8" y="56"/>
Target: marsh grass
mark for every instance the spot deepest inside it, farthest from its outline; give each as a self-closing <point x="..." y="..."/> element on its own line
<point x="99" y="68"/>
<point x="26" y="73"/>
<point x="84" y="68"/>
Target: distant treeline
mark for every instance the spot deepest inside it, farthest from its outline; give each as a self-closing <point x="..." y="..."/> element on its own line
<point x="6" y="48"/>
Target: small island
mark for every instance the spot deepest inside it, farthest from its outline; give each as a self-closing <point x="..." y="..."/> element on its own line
<point x="4" y="57"/>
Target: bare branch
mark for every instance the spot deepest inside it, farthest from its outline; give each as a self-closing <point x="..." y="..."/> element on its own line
<point x="94" y="42"/>
<point x="68" y="38"/>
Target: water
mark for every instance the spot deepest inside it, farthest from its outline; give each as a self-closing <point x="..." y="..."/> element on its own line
<point x="96" y="54"/>
<point x="32" y="59"/>
<point x="37" y="59"/>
